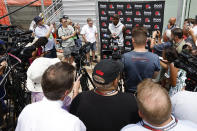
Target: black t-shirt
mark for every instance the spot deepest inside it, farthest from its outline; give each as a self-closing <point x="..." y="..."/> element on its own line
<point x="105" y="113"/>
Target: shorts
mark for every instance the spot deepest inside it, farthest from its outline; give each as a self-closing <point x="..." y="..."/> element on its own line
<point x="68" y="50"/>
<point x="91" y="47"/>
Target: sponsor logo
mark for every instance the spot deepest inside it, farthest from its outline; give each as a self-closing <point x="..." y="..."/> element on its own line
<point x="111" y="6"/>
<point x="138" y="13"/>
<point x="104" y="41"/>
<point x="128" y="25"/>
<point x="105" y="57"/>
<point x="120" y="6"/>
<point x="128" y="19"/>
<point x="147" y="20"/>
<point x="147" y="13"/>
<point x="137" y="25"/>
<point x="138" y="6"/>
<point x="147" y="26"/>
<point x="128" y="13"/>
<point x="103" y="18"/>
<point x="103" y="24"/>
<point x="157" y="13"/>
<point x="128" y="37"/>
<point x="137" y="19"/>
<point x="120" y="13"/>
<point x="111" y="12"/>
<point x="157" y="20"/>
<point x="128" y="31"/>
<point x="110" y="18"/>
<point x="103" y="6"/>
<point x="147" y="6"/>
<point x="104" y="30"/>
<point x="128" y="43"/>
<point x="103" y="12"/>
<point x="156" y="27"/>
<point x="129" y="6"/>
<point x="104" y="46"/>
<point x="158" y="6"/>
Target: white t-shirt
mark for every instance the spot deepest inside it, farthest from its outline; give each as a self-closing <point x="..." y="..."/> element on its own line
<point x="48" y="115"/>
<point x="89" y="33"/>
<point x="41" y="31"/>
<point x="195" y="30"/>
<point x="118" y="31"/>
<point x="184" y="105"/>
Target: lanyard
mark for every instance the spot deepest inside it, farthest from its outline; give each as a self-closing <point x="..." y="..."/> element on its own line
<point x="163" y="129"/>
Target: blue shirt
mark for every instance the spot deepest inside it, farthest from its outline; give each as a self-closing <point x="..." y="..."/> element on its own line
<point x="158" y="49"/>
<point x="138" y="66"/>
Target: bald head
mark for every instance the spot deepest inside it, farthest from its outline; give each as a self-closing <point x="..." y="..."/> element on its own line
<point x="154" y="102"/>
<point x="172" y="20"/>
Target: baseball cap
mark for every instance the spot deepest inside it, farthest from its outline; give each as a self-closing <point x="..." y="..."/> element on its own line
<point x="106" y="71"/>
<point x="35" y="72"/>
<point x="38" y="19"/>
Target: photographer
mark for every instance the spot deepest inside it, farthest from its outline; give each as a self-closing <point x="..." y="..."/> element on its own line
<point x="67" y="34"/>
<point x="90" y="36"/>
<point x="175" y="78"/>
<point x="41" y="31"/>
<point x="139" y="63"/>
<point x="117" y="30"/>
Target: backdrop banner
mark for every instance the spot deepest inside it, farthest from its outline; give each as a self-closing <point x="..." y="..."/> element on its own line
<point x="149" y="14"/>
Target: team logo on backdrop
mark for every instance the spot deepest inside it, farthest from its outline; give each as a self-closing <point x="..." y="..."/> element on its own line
<point x="128" y="43"/>
<point x="137" y="25"/>
<point x="103" y="12"/>
<point x="111" y="6"/>
<point x="128" y="13"/>
<point x="120" y="13"/>
<point x="147" y="6"/>
<point x="128" y="32"/>
<point x="128" y="19"/>
<point x="157" y="13"/>
<point x="120" y="6"/>
<point x="147" y="13"/>
<point x="104" y="24"/>
<point x="147" y="20"/>
<point x="138" y="6"/>
<point x="138" y="13"/>
<point x="158" y="6"/>
<point x="129" y="6"/>
<point x="103" y="6"/>
<point x="156" y="27"/>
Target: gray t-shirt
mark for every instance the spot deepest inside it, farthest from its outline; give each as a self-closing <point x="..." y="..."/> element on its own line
<point x="66" y="32"/>
<point x="138" y="66"/>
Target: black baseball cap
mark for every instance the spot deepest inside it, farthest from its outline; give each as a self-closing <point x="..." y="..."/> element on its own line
<point x="38" y="19"/>
<point x="106" y="71"/>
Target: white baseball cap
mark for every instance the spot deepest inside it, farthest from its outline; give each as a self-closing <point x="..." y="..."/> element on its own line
<point x="35" y="72"/>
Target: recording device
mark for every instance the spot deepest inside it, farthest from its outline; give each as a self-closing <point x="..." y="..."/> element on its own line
<point x="114" y="48"/>
<point x="79" y="55"/>
<point x="187" y="62"/>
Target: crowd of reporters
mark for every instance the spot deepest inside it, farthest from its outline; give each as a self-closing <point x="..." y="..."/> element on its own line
<point x="155" y="95"/>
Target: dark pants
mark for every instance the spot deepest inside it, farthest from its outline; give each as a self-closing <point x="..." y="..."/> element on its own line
<point x="51" y="53"/>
